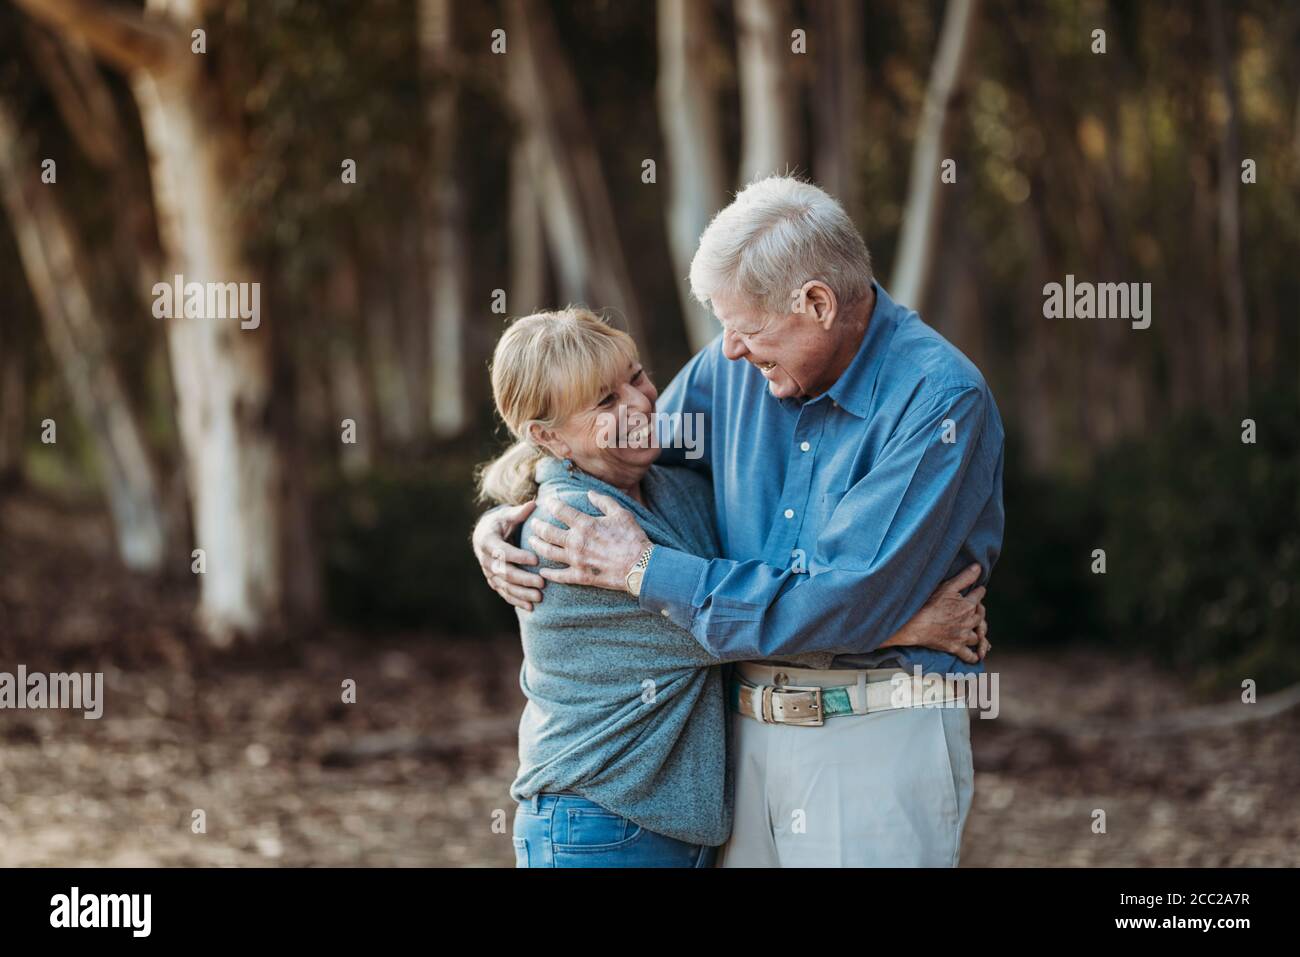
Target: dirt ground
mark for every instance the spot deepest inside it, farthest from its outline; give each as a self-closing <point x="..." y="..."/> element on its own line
<point x="285" y="773"/>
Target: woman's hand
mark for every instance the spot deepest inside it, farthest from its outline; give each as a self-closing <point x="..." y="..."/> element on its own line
<point x="500" y="560"/>
<point x="950" y="621"/>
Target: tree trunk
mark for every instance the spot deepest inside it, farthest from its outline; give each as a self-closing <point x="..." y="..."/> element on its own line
<point x="579" y="216"/>
<point x="766" y="97"/>
<point x="220" y="371"/>
<point x="91" y="115"/>
<point x="1237" y="354"/>
<point x="13" y="403"/>
<point x="55" y="268"/>
<point x="688" y="114"/>
<point x="80" y="94"/>
<point x="383" y="329"/>
<point x="445" y="239"/>
<point x="916" y="248"/>
<point x="1212" y="390"/>
<point x="839" y="92"/>
<point x="350" y="398"/>
<point x="527" y="240"/>
<point x="408" y="263"/>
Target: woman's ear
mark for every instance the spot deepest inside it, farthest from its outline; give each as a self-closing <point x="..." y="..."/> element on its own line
<point x="547" y="439"/>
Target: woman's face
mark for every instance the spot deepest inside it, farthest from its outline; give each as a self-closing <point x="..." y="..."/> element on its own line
<point x="614" y="439"/>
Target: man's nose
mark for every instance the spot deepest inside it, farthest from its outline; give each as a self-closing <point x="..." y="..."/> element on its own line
<point x="732" y="345"/>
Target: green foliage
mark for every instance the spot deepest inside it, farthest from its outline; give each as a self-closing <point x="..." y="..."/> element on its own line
<point x="1202" y="539"/>
<point x="1041" y="592"/>
<point x="1202" y="536"/>
<point x="397" y="551"/>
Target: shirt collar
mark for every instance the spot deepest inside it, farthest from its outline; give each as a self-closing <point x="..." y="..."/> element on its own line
<point x="852" y="391"/>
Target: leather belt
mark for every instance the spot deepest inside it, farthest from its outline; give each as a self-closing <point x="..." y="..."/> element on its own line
<point x="809" y="706"/>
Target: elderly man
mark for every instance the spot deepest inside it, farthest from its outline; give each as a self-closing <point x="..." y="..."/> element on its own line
<point x="856" y="460"/>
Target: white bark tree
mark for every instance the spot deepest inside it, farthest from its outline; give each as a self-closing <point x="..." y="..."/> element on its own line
<point x="56" y="272"/>
<point x="445" y="239"/>
<point x="221" y="373"/>
<point x="767" y="142"/>
<point x="567" y="175"/>
<point x="688" y="114"/>
<point x="919" y="242"/>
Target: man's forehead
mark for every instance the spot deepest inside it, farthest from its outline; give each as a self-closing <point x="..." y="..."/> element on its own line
<point x="734" y="312"/>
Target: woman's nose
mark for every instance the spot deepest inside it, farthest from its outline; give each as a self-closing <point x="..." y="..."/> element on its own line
<point x="637" y="400"/>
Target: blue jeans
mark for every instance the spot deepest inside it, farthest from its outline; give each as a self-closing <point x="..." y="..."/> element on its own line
<point x="561" y="830"/>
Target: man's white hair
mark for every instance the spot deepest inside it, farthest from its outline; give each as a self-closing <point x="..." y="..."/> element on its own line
<point x="779" y="233"/>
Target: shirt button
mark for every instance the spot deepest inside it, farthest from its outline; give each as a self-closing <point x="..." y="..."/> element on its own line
<point x="789" y="513"/>
<point x="664" y="612"/>
<point x="804" y="446"/>
<point x="835" y="404"/>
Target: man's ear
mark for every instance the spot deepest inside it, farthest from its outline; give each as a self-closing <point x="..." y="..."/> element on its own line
<point x="820" y="303"/>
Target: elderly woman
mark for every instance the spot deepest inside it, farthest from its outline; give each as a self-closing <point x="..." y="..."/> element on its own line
<point x="622" y="743"/>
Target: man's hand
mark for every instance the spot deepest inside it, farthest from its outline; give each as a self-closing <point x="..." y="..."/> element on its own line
<point x="599" y="550"/>
<point x="500" y="560"/>
<point x="950" y="621"/>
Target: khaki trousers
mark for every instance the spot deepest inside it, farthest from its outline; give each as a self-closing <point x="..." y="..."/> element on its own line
<point x="887" y="789"/>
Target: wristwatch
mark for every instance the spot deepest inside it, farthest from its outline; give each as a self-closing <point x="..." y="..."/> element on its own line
<point x="637" y="573"/>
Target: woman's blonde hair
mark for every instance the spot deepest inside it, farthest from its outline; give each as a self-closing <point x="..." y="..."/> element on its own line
<point x="547" y="367"/>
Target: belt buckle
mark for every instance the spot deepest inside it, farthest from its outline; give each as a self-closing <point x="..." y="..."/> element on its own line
<point x="816" y="717"/>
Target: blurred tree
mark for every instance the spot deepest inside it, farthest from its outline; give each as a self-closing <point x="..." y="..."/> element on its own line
<point x="527" y="239"/>
<point x="90" y="113"/>
<point x="767" y="106"/>
<point x="221" y="373"/>
<point x="1237" y="355"/>
<point x="839" y="92"/>
<point x="13" y="402"/>
<point x="351" y="391"/>
<point x="914" y="264"/>
<point x="444" y="240"/>
<point x="567" y="175"/>
<point x="56" y="270"/>
<point x="688" y="113"/>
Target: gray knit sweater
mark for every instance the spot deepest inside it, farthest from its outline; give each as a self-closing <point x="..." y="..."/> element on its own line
<point x="625" y="708"/>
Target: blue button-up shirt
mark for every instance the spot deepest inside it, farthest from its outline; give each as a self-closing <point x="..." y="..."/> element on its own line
<point x="838" y="516"/>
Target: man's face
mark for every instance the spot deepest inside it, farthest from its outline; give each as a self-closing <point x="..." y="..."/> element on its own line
<point x="793" y="352"/>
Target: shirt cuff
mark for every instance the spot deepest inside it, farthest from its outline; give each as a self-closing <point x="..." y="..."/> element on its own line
<point x="669" y="584"/>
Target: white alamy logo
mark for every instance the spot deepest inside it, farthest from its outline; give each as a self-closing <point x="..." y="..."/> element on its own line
<point x="663" y="430"/>
<point x="208" y="300"/>
<point x="935" y="690"/>
<point x="82" y="691"/>
<point x="103" y="910"/>
<point x="1102" y="300"/>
